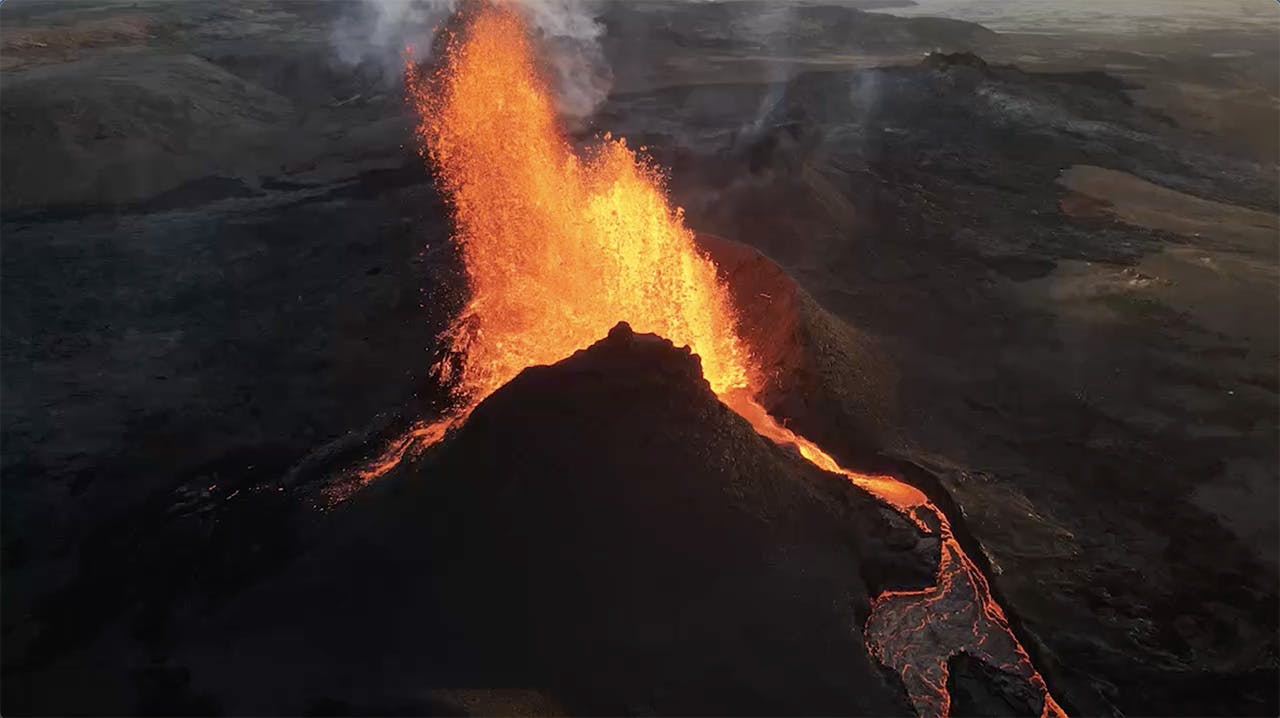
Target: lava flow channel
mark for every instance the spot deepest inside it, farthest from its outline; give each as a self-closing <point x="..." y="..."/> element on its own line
<point x="560" y="245"/>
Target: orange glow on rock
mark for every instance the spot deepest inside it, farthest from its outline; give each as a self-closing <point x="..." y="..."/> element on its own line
<point x="560" y="245"/>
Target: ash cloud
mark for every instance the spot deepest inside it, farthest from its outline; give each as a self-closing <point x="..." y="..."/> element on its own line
<point x="378" y="32"/>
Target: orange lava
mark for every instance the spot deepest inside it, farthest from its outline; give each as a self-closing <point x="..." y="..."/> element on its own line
<point x="917" y="632"/>
<point x="558" y="245"/>
<point x="561" y="244"/>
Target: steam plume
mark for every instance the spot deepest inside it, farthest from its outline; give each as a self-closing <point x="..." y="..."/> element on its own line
<point x="378" y="32"/>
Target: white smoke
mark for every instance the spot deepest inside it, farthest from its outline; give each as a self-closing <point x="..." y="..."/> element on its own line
<point x="380" y="31"/>
<point x="572" y="34"/>
<point x="769" y="31"/>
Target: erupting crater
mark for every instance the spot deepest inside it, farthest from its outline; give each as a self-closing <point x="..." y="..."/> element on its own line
<point x="561" y="244"/>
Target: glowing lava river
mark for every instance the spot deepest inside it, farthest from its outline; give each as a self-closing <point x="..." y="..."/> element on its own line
<point x="559" y="245"/>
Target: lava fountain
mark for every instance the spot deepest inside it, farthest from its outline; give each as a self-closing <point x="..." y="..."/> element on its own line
<point x="559" y="245"/>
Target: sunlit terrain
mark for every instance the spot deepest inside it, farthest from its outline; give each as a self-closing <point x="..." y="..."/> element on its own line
<point x="1137" y="17"/>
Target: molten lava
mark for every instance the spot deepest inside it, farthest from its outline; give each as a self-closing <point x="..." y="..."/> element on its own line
<point x="559" y="245"/>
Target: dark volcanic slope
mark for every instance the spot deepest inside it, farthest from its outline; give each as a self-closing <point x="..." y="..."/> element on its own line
<point x="214" y="260"/>
<point x="1098" y="394"/>
<point x="603" y="530"/>
<point x="663" y="43"/>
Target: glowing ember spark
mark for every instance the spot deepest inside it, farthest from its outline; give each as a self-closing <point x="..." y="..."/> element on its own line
<point x="559" y="246"/>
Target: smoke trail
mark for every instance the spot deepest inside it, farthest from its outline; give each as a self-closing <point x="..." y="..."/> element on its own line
<point x="377" y="32"/>
<point x="571" y="33"/>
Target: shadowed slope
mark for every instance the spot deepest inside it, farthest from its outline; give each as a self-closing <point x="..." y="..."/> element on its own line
<point x="605" y="532"/>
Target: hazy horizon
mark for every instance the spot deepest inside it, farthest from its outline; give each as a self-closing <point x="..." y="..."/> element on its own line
<point x="1103" y="16"/>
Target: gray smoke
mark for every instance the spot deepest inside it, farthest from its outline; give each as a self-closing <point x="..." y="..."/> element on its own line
<point x="770" y="32"/>
<point x="572" y="33"/>
<point x="379" y="32"/>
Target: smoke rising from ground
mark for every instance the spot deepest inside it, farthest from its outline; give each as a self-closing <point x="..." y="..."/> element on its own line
<point x="379" y="32"/>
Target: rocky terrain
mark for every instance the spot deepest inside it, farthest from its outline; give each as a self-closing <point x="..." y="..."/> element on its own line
<point x="1036" y="275"/>
<point x="1056" y="342"/>
<point x="675" y="576"/>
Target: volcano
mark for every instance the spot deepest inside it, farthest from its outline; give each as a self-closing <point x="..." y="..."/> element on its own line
<point x="947" y="385"/>
<point x="558" y="241"/>
<point x="602" y="536"/>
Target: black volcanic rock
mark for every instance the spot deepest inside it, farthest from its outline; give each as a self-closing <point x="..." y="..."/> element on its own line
<point x="603" y="532"/>
<point x="943" y="60"/>
<point x="921" y="204"/>
<point x="739" y="24"/>
<point x="832" y="382"/>
<point x="978" y="689"/>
